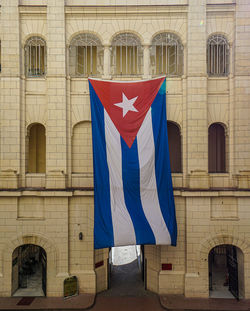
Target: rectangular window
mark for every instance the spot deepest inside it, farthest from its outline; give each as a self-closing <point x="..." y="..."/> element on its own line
<point x="126" y="60"/>
<point x="167" y="60"/>
<point x="36" y="60"/>
<point x="86" y="60"/>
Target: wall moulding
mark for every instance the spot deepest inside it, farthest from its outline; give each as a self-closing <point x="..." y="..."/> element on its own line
<point x="156" y="10"/>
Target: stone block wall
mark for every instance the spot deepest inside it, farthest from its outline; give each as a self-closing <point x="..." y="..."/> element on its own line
<point x="51" y="209"/>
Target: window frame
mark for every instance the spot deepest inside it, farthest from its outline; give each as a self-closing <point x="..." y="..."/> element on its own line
<point x="37" y="43"/>
<point x="164" y="42"/>
<point x="127" y="43"/>
<point x="219" y="48"/>
<point x="86" y="41"/>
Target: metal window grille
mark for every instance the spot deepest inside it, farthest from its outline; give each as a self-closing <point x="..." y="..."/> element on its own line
<point x="86" y="56"/>
<point x="217" y="56"/>
<point x="166" y="55"/>
<point x="35" y="57"/>
<point x="126" y="55"/>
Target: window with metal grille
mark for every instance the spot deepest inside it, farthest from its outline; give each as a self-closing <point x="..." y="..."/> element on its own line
<point x="35" y="57"/>
<point x="217" y="56"/>
<point x="174" y="143"/>
<point x="166" y="55"/>
<point x="216" y="149"/>
<point x="126" y="55"/>
<point x="85" y="56"/>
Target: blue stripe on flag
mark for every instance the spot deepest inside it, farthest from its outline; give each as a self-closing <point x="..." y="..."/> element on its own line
<point x="131" y="186"/>
<point x="162" y="164"/>
<point x="103" y="228"/>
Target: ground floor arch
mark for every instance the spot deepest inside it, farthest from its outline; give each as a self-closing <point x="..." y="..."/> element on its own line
<point x="126" y="275"/>
<point x="29" y="271"/>
<point x="226" y="272"/>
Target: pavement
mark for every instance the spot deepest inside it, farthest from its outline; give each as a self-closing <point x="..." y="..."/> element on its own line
<point x="127" y="293"/>
<point x="104" y="302"/>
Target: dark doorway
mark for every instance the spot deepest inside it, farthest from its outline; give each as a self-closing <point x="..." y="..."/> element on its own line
<point x="126" y="271"/>
<point x="226" y="275"/>
<point x="29" y="271"/>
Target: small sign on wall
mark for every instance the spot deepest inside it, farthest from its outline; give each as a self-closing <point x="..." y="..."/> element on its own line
<point x="70" y="287"/>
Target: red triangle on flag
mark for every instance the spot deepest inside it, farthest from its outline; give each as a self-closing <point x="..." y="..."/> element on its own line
<point x="127" y="103"/>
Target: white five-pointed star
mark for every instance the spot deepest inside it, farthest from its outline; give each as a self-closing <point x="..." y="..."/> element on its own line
<point x="127" y="104"/>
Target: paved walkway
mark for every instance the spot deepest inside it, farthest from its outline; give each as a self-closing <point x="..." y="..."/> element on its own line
<point x="127" y="293"/>
<point x="150" y="302"/>
<point x="49" y="303"/>
<point x="180" y="303"/>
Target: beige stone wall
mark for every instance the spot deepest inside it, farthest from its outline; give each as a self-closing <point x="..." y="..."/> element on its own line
<point x="211" y="209"/>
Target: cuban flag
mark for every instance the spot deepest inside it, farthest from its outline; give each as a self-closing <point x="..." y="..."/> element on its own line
<point x="133" y="194"/>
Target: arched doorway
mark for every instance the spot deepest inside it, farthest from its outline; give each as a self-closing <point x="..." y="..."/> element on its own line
<point x="226" y="272"/>
<point x="29" y="271"/>
<point x="126" y="275"/>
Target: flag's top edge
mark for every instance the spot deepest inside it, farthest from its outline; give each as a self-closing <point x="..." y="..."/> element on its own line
<point x="134" y="81"/>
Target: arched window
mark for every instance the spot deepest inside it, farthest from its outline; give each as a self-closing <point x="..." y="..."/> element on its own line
<point x="174" y="143"/>
<point x="216" y="149"/>
<point x="35" y="57"/>
<point x="82" y="148"/>
<point x="126" y="54"/>
<point x="166" y="55"/>
<point x="85" y="56"/>
<point x="217" y="56"/>
<point x="37" y="149"/>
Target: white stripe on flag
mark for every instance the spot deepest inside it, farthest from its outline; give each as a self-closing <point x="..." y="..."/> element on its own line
<point x="148" y="189"/>
<point x="123" y="228"/>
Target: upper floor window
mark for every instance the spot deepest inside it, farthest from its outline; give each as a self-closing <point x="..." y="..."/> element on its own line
<point x="217" y="56"/>
<point x="86" y="56"/>
<point x="35" y="57"/>
<point x="166" y="55"/>
<point x="174" y="143"/>
<point x="37" y="149"/>
<point x="127" y="55"/>
<point x="216" y="149"/>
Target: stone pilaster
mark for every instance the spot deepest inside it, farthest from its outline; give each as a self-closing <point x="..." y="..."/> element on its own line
<point x="10" y="94"/>
<point x="242" y="87"/>
<point x="146" y="62"/>
<point x="106" y="62"/>
<point x="197" y="137"/>
<point x="56" y="91"/>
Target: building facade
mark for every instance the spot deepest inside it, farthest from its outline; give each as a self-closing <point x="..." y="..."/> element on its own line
<point x="48" y="50"/>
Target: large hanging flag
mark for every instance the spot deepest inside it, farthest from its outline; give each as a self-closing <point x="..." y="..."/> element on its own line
<point x="133" y="192"/>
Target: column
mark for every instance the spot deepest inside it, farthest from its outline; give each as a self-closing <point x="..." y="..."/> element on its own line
<point x="242" y="95"/>
<point x="197" y="132"/>
<point x="106" y="62"/>
<point x="56" y="91"/>
<point x="10" y="95"/>
<point x="146" y="62"/>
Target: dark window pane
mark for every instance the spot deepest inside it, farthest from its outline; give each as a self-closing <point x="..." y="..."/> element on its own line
<point x="174" y="143"/>
<point x="216" y="149"/>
